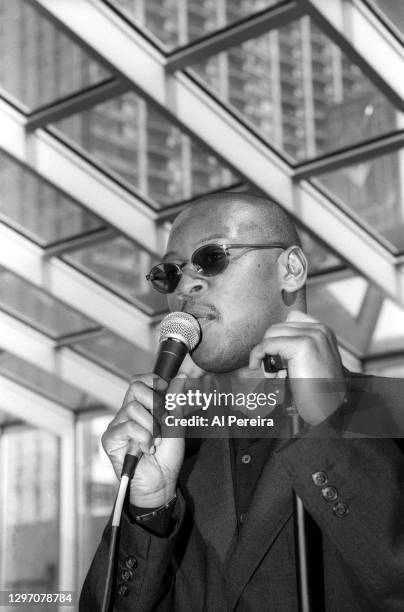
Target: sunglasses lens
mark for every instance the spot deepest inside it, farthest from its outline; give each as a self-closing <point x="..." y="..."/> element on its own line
<point x="210" y="259"/>
<point x="165" y="277"/>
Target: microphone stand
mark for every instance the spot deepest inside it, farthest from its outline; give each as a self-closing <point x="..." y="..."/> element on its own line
<point x="308" y="540"/>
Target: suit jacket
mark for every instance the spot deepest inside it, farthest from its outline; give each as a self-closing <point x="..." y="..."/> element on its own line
<point x="204" y="566"/>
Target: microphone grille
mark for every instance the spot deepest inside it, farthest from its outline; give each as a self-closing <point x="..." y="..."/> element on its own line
<point x="180" y="325"/>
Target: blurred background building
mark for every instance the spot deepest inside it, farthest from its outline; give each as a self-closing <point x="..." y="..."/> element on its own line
<point x="114" y="115"/>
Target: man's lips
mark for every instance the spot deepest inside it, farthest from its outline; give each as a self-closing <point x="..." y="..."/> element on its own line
<point x="202" y="313"/>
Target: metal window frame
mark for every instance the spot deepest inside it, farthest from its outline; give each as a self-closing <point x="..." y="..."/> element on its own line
<point x="23" y="341"/>
<point x="76" y="103"/>
<point x="235" y="34"/>
<point x="78" y="179"/>
<point x="365" y="34"/>
<point x="75" y="289"/>
<point x="116" y="43"/>
<point x="49" y="416"/>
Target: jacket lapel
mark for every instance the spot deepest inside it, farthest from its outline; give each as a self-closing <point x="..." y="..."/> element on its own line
<point x="270" y="508"/>
<point x="210" y="485"/>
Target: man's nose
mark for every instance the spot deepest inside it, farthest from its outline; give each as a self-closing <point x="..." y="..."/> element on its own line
<point x="191" y="282"/>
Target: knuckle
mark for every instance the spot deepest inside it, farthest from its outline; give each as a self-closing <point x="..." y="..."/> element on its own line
<point x="136" y="386"/>
<point x="105" y="439"/>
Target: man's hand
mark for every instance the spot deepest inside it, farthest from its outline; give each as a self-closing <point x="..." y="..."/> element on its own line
<point x="313" y="364"/>
<point x="135" y="428"/>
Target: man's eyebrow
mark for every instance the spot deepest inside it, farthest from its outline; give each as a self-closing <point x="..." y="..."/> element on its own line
<point x="175" y="254"/>
<point x="215" y="237"/>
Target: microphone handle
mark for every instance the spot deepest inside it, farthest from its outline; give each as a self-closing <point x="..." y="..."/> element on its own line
<point x="170" y="356"/>
<point x="169" y="359"/>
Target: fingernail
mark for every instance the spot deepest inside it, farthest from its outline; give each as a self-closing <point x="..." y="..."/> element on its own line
<point x="152" y="450"/>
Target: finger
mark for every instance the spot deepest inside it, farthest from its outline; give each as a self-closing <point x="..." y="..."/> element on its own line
<point x="284" y="346"/>
<point x="319" y="332"/>
<point x="138" y="392"/>
<point x="128" y="434"/>
<point x="176" y="386"/>
<point x="151" y="381"/>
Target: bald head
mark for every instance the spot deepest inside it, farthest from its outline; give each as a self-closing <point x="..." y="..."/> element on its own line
<point x="251" y="216"/>
<point x="256" y="288"/>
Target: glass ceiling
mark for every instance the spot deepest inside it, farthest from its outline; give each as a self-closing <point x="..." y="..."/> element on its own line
<point x="135" y="140"/>
<point x="121" y="265"/>
<point x="393" y="11"/>
<point x="307" y="100"/>
<point x="116" y="354"/>
<point x="39" y="309"/>
<point x="45" y="383"/>
<point x="33" y="45"/>
<point x="296" y="89"/>
<point x="39" y="211"/>
<point x="175" y="23"/>
<point x="373" y="190"/>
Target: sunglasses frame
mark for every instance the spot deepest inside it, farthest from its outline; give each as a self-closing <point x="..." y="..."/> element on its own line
<point x="224" y="247"/>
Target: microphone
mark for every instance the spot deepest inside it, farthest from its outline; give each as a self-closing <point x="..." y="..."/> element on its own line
<point x="179" y="335"/>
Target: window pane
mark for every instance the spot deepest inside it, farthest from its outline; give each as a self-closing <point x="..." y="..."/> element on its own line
<point x="319" y="257"/>
<point x="123" y="266"/>
<point x="132" y="138"/>
<point x="97" y="488"/>
<point x="393" y="10"/>
<point x="44" y="382"/>
<point x="117" y="354"/>
<point x="38" y="63"/>
<point x="7" y="417"/>
<point x="299" y="91"/>
<point x="38" y="210"/>
<point x="374" y="191"/>
<point x="178" y="23"/>
<point x="37" y="308"/>
<point x="338" y="303"/>
<point x="30" y="517"/>
<point x="389" y="331"/>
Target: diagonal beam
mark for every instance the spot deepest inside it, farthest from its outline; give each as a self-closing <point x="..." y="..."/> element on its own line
<point x="77" y="178"/>
<point x="118" y="43"/>
<point x="352" y="155"/>
<point x="22" y="340"/>
<point x="34" y="408"/>
<point x="225" y="38"/>
<point x="74" y="288"/>
<point x="76" y="103"/>
<point x="354" y="28"/>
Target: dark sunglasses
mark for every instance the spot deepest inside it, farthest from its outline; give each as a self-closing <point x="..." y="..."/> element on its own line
<point x="208" y="260"/>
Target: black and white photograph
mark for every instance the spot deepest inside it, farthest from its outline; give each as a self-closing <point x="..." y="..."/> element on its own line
<point x="202" y="305"/>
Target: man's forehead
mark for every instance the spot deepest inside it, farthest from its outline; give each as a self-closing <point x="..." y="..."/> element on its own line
<point x="218" y="219"/>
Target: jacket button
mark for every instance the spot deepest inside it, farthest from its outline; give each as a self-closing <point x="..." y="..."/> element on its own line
<point x="131" y="562"/>
<point x="330" y="494"/>
<point x="123" y="590"/>
<point x="243" y="518"/>
<point x="319" y="478"/>
<point x="246" y="458"/>
<point x="340" y="509"/>
<point x="127" y="575"/>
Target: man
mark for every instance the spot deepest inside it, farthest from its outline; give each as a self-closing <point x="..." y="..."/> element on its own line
<point x="211" y="528"/>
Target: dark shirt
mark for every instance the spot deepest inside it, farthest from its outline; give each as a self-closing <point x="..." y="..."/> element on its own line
<point x="248" y="458"/>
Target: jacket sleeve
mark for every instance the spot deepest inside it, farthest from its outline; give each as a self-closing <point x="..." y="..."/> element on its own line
<point x="353" y="488"/>
<point x="145" y="572"/>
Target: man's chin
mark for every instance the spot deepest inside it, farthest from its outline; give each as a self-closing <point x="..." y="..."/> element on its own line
<point x="214" y="361"/>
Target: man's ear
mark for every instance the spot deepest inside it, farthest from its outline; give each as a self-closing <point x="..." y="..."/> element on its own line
<point x="293" y="270"/>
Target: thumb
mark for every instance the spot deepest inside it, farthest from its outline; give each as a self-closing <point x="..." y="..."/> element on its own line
<point x="174" y="404"/>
